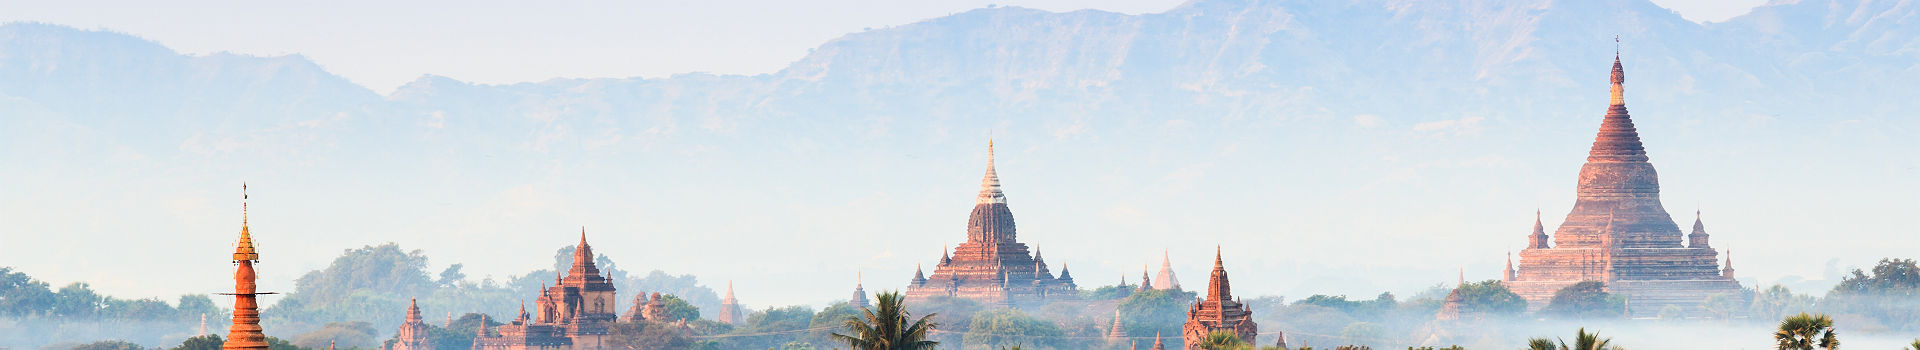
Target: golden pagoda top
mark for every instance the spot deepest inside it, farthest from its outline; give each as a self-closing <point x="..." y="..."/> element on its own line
<point x="243" y="251"/>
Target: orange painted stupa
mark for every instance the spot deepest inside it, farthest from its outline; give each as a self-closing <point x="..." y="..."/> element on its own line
<point x="245" y="333"/>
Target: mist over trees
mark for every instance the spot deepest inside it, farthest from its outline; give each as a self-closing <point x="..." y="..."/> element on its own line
<point x="356" y="301"/>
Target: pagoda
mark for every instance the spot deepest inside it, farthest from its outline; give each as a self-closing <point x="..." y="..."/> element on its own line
<point x="413" y="334"/>
<point x="729" y="308"/>
<point x="992" y="267"/>
<point x="1619" y="234"/>
<point x="1164" y="280"/>
<point x="1218" y="311"/>
<point x="572" y="314"/>
<point x="245" y="333"/>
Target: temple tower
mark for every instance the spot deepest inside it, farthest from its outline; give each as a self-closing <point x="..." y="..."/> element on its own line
<point x="1618" y="232"/>
<point x="992" y="267"/>
<point x="1218" y="311"/>
<point x="245" y="333"/>
<point x="729" y="308"/>
<point x="1164" y="280"/>
<point x="859" y="300"/>
<point x="414" y="333"/>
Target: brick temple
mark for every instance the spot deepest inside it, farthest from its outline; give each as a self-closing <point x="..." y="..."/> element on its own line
<point x="1218" y="311"/>
<point x="992" y="267"/>
<point x="572" y="314"/>
<point x="1618" y="232"/>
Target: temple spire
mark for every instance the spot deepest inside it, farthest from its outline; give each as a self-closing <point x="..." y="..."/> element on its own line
<point x="990" y="184"/>
<point x="1217" y="286"/>
<point x="1618" y="141"/>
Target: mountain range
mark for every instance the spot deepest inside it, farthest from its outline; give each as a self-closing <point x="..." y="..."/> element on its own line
<point x="1323" y="143"/>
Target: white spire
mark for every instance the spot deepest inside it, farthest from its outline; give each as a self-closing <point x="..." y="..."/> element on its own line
<point x="990" y="184"/>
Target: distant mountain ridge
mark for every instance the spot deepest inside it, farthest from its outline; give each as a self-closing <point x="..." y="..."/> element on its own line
<point x="1258" y="122"/>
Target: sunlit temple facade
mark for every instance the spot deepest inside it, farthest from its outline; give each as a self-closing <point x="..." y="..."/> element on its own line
<point x="992" y="267"/>
<point x="1618" y="233"/>
<point x="1218" y="311"/>
<point x="574" y="313"/>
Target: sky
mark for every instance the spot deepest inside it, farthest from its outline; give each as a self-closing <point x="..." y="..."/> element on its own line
<point x="385" y="44"/>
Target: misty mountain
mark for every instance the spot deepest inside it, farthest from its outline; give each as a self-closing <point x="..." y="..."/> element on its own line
<point x="1405" y="112"/>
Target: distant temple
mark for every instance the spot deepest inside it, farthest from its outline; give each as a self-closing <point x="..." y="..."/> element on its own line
<point x="245" y="333"/>
<point x="1218" y="311"/>
<point x="859" y="300"/>
<point x="413" y="334"/>
<point x="1165" y="281"/>
<point x="572" y="314"/>
<point x="729" y="308"/>
<point x="1619" y="234"/>
<point x="992" y="267"/>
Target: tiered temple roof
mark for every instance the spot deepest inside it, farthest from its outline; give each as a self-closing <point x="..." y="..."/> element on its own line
<point x="992" y="266"/>
<point x="1218" y="311"/>
<point x="574" y="312"/>
<point x="413" y="334"/>
<point x="1619" y="233"/>
<point x="245" y="334"/>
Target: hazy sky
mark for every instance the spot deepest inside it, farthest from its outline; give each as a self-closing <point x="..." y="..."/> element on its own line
<point x="384" y="44"/>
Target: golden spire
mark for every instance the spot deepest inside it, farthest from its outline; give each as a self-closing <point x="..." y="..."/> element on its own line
<point x="243" y="251"/>
<point x="1619" y="76"/>
<point x="990" y="184"/>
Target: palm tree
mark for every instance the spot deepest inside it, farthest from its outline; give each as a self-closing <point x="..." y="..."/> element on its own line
<point x="1806" y="332"/>
<point x="1541" y="344"/>
<point x="1581" y="341"/>
<point x="1223" y="340"/>
<point x="1915" y="346"/>
<point x="885" y="327"/>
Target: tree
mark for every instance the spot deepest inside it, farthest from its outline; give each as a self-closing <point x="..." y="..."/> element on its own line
<point x="1223" y="340"/>
<point x="1010" y="327"/>
<point x="109" y="345"/>
<point x="357" y="334"/>
<point x="1581" y="341"/>
<point x="1806" y="332"/>
<point x="1779" y="302"/>
<point x="77" y="300"/>
<point x="1362" y="333"/>
<point x="1108" y="292"/>
<point x="205" y="342"/>
<point x="21" y="295"/>
<point x="679" y="309"/>
<point x="885" y="326"/>
<point x="1886" y="295"/>
<point x="1915" y="345"/>
<point x="1585" y="300"/>
<point x="1155" y="311"/>
<point x="646" y="335"/>
<point x="1491" y="297"/>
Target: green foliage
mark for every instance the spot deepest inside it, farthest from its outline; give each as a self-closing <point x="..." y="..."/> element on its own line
<point x="1491" y="297"/>
<point x="679" y="309"/>
<point x="886" y="326"/>
<point x="204" y="342"/>
<point x="358" y="334"/>
<point x="1363" y="333"/>
<point x="1671" y="313"/>
<point x="1224" y="340"/>
<point x="1108" y="292"/>
<point x="1455" y="347"/>
<point x="1778" y="302"/>
<point x="1010" y="327"/>
<point x="1581" y="341"/>
<point x="646" y="335"/>
<point x="280" y="344"/>
<point x="1889" y="295"/>
<point x="21" y="295"/>
<point x="1806" y="332"/>
<point x="953" y="313"/>
<point x="109" y="345"/>
<point x="1585" y="300"/>
<point x="1155" y="311"/>
<point x="1357" y="308"/>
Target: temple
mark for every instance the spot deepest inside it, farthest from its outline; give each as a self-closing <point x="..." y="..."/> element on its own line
<point x="992" y="267"/>
<point x="1619" y="234"/>
<point x="414" y="334"/>
<point x="572" y="314"/>
<point x="1218" y="311"/>
<point x="245" y="333"/>
<point x="729" y="308"/>
<point x="1165" y="281"/>
<point x="859" y="300"/>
